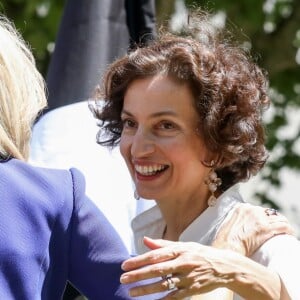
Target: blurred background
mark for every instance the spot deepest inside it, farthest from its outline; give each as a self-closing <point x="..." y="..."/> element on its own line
<point x="269" y="28"/>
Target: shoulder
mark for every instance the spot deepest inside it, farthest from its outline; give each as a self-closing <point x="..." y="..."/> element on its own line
<point x="50" y="124"/>
<point x="63" y="114"/>
<point x="54" y="147"/>
<point x="50" y="188"/>
<point x="28" y="175"/>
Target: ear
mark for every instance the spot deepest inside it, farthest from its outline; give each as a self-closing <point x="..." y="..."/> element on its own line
<point x="212" y="160"/>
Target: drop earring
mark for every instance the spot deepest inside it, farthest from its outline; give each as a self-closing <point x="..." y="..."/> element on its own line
<point x="213" y="182"/>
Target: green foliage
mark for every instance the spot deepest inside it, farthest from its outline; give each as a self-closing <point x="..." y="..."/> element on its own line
<point x="38" y="21"/>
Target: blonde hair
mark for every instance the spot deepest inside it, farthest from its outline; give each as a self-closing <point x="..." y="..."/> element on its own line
<point x="22" y="92"/>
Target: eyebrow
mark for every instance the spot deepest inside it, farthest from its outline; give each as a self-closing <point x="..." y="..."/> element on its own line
<point x="155" y="115"/>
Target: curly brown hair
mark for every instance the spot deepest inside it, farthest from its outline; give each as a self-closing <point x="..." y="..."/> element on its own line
<point x="229" y="89"/>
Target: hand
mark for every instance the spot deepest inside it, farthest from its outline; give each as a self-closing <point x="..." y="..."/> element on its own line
<point x="195" y="268"/>
<point x="248" y="227"/>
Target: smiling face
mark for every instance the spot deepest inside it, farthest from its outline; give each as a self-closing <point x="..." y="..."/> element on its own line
<point x="159" y="141"/>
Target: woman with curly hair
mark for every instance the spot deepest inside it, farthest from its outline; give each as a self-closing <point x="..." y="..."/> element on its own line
<point x="187" y="113"/>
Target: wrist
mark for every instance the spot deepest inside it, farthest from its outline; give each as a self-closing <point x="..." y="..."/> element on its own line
<point x="251" y="280"/>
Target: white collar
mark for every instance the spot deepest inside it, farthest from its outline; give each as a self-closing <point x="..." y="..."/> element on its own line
<point x="203" y="229"/>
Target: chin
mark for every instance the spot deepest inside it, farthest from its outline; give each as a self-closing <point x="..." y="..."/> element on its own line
<point x="145" y="195"/>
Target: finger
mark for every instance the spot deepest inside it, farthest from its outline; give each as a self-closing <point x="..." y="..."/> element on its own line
<point x="158" y="286"/>
<point x="281" y="226"/>
<point x="192" y="288"/>
<point x="157" y="243"/>
<point x="150" y="271"/>
<point x="151" y="257"/>
<point x="276" y="225"/>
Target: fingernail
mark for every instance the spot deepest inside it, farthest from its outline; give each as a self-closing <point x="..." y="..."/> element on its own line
<point x="124" y="266"/>
<point x="123" y="279"/>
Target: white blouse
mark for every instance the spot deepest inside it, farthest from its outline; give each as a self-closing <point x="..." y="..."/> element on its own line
<point x="281" y="253"/>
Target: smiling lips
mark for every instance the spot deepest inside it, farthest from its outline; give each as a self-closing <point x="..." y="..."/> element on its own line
<point x="149" y="170"/>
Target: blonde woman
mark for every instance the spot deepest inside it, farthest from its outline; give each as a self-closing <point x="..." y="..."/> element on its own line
<point x="50" y="232"/>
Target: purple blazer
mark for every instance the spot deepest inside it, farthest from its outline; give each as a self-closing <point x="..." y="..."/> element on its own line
<point x="50" y="232"/>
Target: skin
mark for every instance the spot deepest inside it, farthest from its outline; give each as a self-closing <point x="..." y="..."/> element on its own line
<point x="159" y="131"/>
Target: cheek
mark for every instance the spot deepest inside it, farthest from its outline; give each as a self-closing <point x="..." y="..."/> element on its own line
<point x="124" y="147"/>
<point x="187" y="147"/>
<point x="187" y="156"/>
<point x="177" y="152"/>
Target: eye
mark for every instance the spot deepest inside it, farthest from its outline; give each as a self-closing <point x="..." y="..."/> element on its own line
<point x="128" y="123"/>
<point x="166" y="125"/>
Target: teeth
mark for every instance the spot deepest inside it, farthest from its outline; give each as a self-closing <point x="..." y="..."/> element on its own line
<point x="148" y="170"/>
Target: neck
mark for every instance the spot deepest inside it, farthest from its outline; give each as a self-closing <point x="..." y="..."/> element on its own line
<point x="178" y="216"/>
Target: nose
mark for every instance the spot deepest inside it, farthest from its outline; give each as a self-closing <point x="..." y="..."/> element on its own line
<point x="142" y="143"/>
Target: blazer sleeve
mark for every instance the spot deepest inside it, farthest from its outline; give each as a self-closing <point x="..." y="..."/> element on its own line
<point x="96" y="250"/>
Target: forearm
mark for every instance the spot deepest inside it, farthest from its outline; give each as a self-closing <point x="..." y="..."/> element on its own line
<point x="253" y="281"/>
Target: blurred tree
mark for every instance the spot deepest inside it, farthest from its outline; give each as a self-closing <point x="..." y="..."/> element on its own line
<point x="38" y="22"/>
